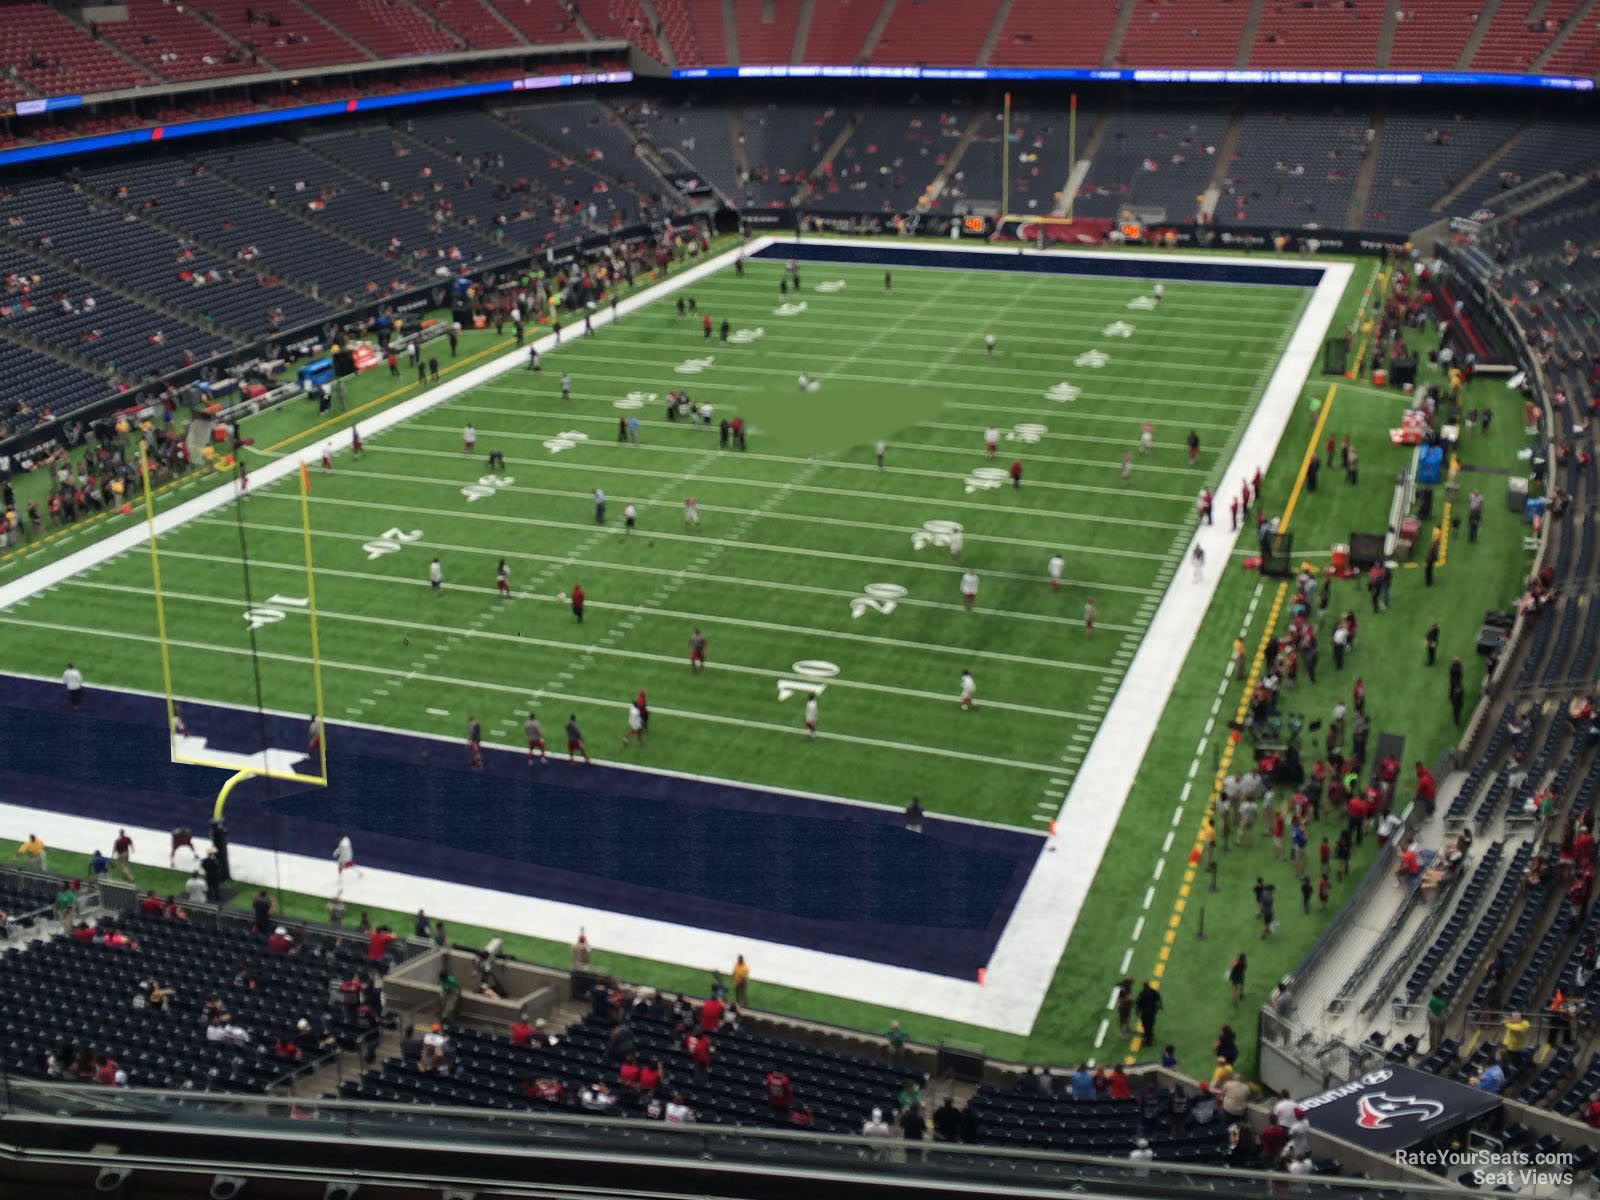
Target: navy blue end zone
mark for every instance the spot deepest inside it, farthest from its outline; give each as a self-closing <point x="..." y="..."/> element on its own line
<point x="1132" y="266"/>
<point x="833" y="877"/>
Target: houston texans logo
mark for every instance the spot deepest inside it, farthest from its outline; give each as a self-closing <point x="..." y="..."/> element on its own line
<point x="1379" y="1110"/>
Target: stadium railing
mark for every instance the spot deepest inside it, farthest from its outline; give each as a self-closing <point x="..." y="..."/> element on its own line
<point x="273" y="1137"/>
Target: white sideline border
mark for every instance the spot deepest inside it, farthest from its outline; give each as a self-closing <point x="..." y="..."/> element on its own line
<point x="1030" y="947"/>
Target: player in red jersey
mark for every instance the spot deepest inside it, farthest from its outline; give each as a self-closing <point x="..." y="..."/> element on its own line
<point x="327" y="459"/>
<point x="502" y="579"/>
<point x="697" y="651"/>
<point x="535" y="733"/>
<point x="355" y="442"/>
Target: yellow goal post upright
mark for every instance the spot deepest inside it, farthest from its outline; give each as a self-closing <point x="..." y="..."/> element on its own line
<point x="262" y="767"/>
<point x="1012" y="225"/>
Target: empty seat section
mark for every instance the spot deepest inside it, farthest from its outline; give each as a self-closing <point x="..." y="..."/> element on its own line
<point x="57" y="57"/>
<point x="282" y="33"/>
<point x="1199" y="33"/>
<point x="839" y="31"/>
<point x="174" y="42"/>
<point x="766" y="31"/>
<point x="1311" y="34"/>
<point x="474" y="22"/>
<point x="389" y="28"/>
<point x="542" y="22"/>
<point x="1431" y="37"/>
<point x="1042" y="32"/>
<point x="1515" y="38"/>
<point x="938" y="33"/>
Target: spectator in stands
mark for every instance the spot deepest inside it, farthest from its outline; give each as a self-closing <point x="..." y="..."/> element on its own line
<point x="1514" y="1044"/>
<point x="194" y="890"/>
<point x="423" y="924"/>
<point x="150" y="904"/>
<point x="262" y="906"/>
<point x="1234" y="1097"/>
<point x="1591" y="1114"/>
<point x="676" y="1112"/>
<point x="897" y="1038"/>
<point x="211" y="868"/>
<point x="279" y="942"/>
<point x="780" y="1092"/>
<point x="1438" y="1013"/>
<point x="1117" y="1083"/>
<point x="1491" y="1079"/>
<point x="99" y="865"/>
<point x="1081" y="1083"/>
<point x="378" y="943"/>
<point x="698" y="1044"/>
<point x="580" y="951"/>
<point x="876" y="1127"/>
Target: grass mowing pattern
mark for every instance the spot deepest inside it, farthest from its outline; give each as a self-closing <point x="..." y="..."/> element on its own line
<point x="786" y="540"/>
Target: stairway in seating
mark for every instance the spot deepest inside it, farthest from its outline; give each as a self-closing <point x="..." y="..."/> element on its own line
<point x="1002" y="11"/>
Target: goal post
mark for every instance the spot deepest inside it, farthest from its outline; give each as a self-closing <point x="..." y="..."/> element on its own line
<point x="264" y="763"/>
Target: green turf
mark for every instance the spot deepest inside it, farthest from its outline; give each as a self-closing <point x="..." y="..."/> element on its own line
<point x="788" y="540"/>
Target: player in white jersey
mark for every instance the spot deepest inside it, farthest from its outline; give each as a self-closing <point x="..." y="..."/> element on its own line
<point x="435" y="576"/>
<point x="1055" y="567"/>
<point x="811" y="717"/>
<point x="969" y="589"/>
<point x="1147" y="437"/>
<point x="991" y="439"/>
<point x="988" y="344"/>
<point x="691" y="512"/>
<point x="469" y="437"/>
<point x="969" y="688"/>
<point x="955" y="545"/>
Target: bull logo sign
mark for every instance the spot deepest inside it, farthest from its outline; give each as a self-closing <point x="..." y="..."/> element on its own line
<point x="1028" y="434"/>
<point x="1063" y="393"/>
<point x="1379" y="1110"/>
<point x="635" y="400"/>
<point x="934" y="533"/>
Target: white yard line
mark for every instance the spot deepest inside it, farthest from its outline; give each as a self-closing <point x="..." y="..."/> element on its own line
<point x="626" y="568"/>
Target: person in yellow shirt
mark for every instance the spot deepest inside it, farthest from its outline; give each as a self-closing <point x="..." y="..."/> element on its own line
<point x="1515" y="1041"/>
<point x="741" y="982"/>
<point x="34" y="849"/>
<point x="1222" y="1074"/>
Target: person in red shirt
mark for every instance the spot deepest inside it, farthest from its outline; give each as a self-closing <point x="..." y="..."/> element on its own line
<point x="577" y="602"/>
<point x="628" y="1074"/>
<point x="378" y="943"/>
<point x="105" y="1071"/>
<point x="83" y="932"/>
<point x="800" y="1117"/>
<point x="644" y="710"/>
<point x="1117" y="1084"/>
<point x="286" y="1050"/>
<point x="1427" y="789"/>
<point x="649" y="1076"/>
<point x="1273" y="1139"/>
<point x="1016" y="472"/>
<point x="521" y="1032"/>
<point x="280" y="943"/>
<point x="699" y="1047"/>
<point x="711" y="1014"/>
<point x="1591" y="1115"/>
<point x="151" y="904"/>
<point x="705" y="323"/>
<point x="780" y="1090"/>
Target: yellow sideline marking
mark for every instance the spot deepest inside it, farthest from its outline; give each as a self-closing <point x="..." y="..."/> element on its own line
<point x="1225" y="762"/>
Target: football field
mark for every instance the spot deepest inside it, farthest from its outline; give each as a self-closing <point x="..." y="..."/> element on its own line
<point x="812" y="570"/>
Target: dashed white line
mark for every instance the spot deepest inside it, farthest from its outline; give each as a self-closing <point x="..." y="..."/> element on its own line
<point x="1149" y="897"/>
<point x="438" y="712"/>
